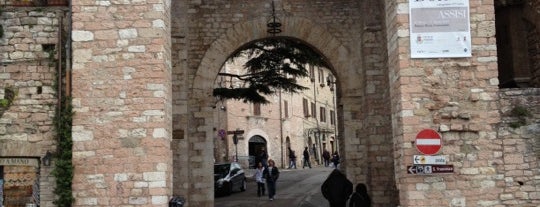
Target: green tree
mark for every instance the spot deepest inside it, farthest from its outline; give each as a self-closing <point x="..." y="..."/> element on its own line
<point x="273" y="64"/>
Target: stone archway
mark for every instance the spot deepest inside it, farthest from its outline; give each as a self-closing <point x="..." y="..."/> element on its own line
<point x="344" y="63"/>
<point x="255" y="144"/>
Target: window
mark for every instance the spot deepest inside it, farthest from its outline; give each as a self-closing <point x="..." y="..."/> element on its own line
<point x="306" y="107"/>
<point x="518" y="41"/>
<point x="313" y="110"/>
<point x="286" y="109"/>
<point x="323" y="114"/>
<point x="321" y="77"/>
<point x="312" y="73"/>
<point x="332" y="117"/>
<point x="257" y="109"/>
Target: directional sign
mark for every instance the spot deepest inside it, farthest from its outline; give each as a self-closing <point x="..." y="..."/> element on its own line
<point x="428" y="142"/>
<point x="429" y="160"/>
<point x="236" y="132"/>
<point x="429" y="169"/>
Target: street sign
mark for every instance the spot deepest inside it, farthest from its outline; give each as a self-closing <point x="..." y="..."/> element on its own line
<point x="429" y="169"/>
<point x="429" y="160"/>
<point x="222" y="133"/>
<point x="428" y="142"/>
<point x="236" y="132"/>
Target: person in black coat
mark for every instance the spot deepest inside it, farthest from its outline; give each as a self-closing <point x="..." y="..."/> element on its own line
<point x="360" y="197"/>
<point x="337" y="189"/>
<point x="306" y="159"/>
<point x="271" y="174"/>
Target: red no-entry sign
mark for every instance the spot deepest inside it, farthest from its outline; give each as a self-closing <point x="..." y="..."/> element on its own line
<point x="428" y="142"/>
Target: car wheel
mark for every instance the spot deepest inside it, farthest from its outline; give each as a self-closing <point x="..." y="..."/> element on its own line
<point x="244" y="185"/>
<point x="228" y="188"/>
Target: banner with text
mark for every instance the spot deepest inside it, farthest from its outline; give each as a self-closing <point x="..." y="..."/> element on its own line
<point x="439" y="28"/>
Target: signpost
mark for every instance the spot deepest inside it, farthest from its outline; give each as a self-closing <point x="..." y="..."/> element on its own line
<point x="222" y="134"/>
<point x="429" y="169"/>
<point x="429" y="160"/>
<point x="235" y="134"/>
<point x="428" y="142"/>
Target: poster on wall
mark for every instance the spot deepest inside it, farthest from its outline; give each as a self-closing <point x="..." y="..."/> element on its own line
<point x="439" y="28"/>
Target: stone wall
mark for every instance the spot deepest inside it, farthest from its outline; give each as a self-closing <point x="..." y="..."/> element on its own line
<point x="122" y="101"/>
<point x="28" y="68"/>
<point x="455" y="96"/>
<point x="519" y="156"/>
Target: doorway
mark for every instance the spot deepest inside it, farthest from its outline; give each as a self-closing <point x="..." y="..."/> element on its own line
<point x="256" y="145"/>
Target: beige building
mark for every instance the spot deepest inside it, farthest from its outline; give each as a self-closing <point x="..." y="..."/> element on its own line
<point x="308" y="119"/>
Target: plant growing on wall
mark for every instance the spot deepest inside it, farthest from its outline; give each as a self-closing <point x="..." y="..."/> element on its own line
<point x="520" y="113"/>
<point x="63" y="167"/>
<point x="9" y="96"/>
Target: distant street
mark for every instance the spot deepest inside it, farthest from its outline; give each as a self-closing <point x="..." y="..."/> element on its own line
<point x="295" y="188"/>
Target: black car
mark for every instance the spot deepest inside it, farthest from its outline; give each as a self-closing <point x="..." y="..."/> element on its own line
<point x="228" y="177"/>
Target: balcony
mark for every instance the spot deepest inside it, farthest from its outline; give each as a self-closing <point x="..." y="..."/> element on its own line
<point x="34" y="3"/>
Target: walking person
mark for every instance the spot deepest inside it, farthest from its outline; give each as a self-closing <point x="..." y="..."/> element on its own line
<point x="263" y="157"/>
<point x="326" y="157"/>
<point x="271" y="174"/>
<point x="292" y="159"/>
<point x="335" y="159"/>
<point x="306" y="158"/>
<point x="259" y="179"/>
<point x="337" y="189"/>
<point x="360" y="197"/>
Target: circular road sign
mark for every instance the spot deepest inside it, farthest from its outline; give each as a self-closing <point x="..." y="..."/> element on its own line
<point x="428" y="142"/>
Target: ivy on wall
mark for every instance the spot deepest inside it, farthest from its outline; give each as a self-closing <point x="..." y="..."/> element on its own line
<point x="63" y="166"/>
<point x="520" y="113"/>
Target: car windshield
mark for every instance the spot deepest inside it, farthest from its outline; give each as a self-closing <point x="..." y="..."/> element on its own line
<point x="222" y="169"/>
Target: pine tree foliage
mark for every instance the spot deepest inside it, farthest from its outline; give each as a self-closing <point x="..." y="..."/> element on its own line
<point x="273" y="64"/>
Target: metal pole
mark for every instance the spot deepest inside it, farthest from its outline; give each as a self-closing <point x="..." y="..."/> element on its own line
<point x="281" y="131"/>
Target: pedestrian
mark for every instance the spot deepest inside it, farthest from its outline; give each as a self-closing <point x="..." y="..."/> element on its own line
<point x="360" y="197"/>
<point x="271" y="174"/>
<point x="337" y="189"/>
<point x="292" y="159"/>
<point x="335" y="159"/>
<point x="306" y="159"/>
<point x="263" y="157"/>
<point x="259" y="179"/>
<point x="326" y="157"/>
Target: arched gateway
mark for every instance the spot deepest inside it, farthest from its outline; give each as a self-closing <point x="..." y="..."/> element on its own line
<point x="138" y="84"/>
<point x="343" y="61"/>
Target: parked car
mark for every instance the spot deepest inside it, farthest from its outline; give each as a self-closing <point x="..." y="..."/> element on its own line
<point x="228" y="177"/>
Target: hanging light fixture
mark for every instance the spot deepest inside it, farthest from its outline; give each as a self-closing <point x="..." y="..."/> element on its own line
<point x="273" y="24"/>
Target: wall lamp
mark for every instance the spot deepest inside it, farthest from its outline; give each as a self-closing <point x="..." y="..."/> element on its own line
<point x="47" y="159"/>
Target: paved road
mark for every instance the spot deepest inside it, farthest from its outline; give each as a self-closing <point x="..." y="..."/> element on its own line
<point x="295" y="188"/>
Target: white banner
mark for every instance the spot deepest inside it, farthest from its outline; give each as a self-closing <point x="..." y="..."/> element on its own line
<point x="439" y="28"/>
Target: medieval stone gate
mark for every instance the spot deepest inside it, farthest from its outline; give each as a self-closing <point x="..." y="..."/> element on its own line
<point x="143" y="73"/>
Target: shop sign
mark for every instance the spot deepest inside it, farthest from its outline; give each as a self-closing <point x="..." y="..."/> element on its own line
<point x="19" y="162"/>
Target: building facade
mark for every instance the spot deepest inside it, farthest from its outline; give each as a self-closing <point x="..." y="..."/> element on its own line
<point x="141" y="74"/>
<point x="308" y="119"/>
